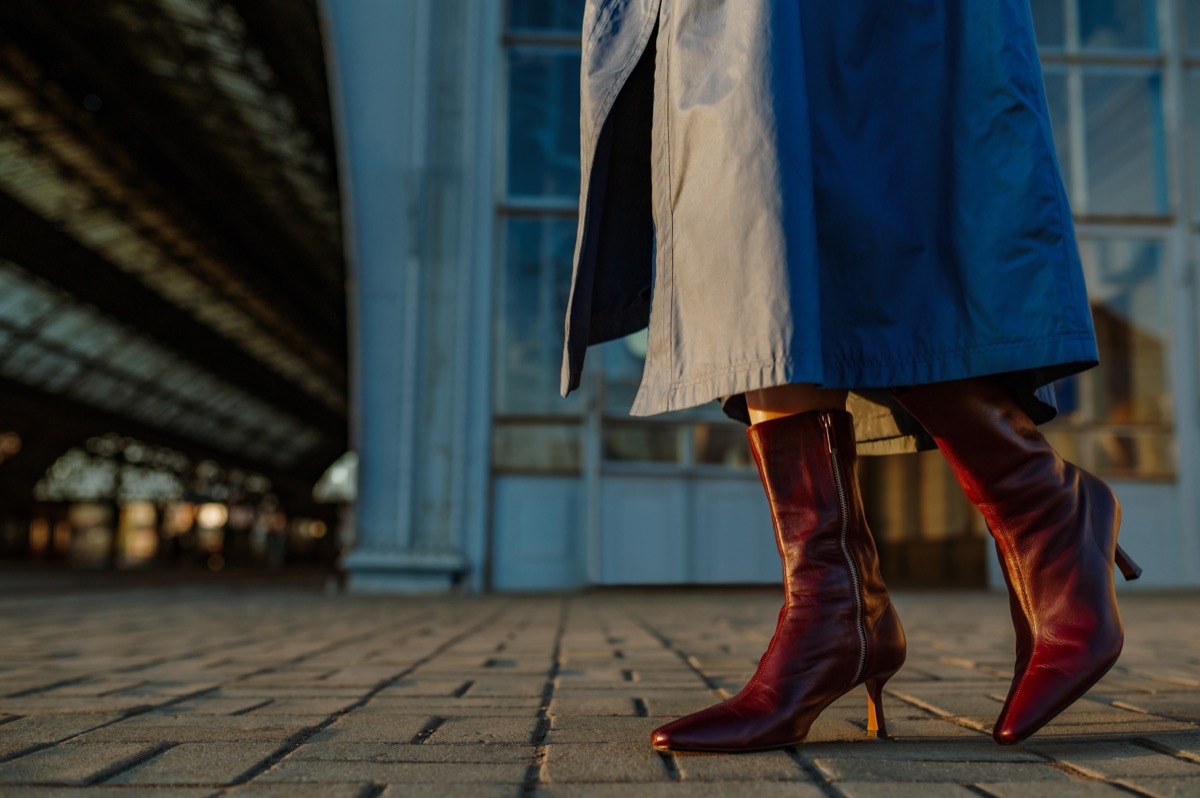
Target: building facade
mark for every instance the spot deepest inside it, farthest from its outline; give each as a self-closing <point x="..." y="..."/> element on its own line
<point x="459" y="145"/>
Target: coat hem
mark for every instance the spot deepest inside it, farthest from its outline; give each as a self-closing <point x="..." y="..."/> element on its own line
<point x="654" y="398"/>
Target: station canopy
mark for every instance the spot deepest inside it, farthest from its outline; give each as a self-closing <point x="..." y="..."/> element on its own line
<point x="171" y="262"/>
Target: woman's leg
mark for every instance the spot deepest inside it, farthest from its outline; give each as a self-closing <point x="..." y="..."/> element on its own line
<point x="787" y="400"/>
<point x="1055" y="527"/>
<point x="838" y="628"/>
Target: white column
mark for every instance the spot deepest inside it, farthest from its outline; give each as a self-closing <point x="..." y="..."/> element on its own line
<point x="413" y="97"/>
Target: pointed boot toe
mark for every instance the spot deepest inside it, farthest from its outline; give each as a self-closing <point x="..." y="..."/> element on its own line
<point x="1043" y="691"/>
<point x="699" y="731"/>
<point x="1014" y="726"/>
<point x="1005" y="734"/>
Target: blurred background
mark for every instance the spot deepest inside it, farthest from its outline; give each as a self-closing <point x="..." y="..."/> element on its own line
<point x="282" y="286"/>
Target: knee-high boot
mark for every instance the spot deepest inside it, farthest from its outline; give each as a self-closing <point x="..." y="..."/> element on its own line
<point x="837" y="628"/>
<point x="1055" y="527"/>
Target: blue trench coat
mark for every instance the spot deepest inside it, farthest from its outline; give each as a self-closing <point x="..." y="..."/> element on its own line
<point x="858" y="194"/>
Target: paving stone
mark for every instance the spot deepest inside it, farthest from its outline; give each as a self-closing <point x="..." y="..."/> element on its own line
<point x="595" y="729"/>
<point x="478" y="707"/>
<point x="509" y="686"/>
<point x="904" y="729"/>
<point x="605" y="705"/>
<point x="73" y="705"/>
<point x="950" y="701"/>
<point x="320" y="690"/>
<point x="507" y="662"/>
<point x="604" y="762"/>
<point x="198" y="763"/>
<point x="1170" y="705"/>
<point x="259" y="790"/>
<point x="200" y="728"/>
<point x="1057" y="789"/>
<point x="446" y="789"/>
<point x="484" y="730"/>
<point x="599" y="677"/>
<point x="362" y="676"/>
<point x="1069" y="733"/>
<point x="377" y="728"/>
<point x="787" y="789"/>
<point x="11" y="750"/>
<point x="114" y="792"/>
<point x="1116" y="759"/>
<point x="440" y="687"/>
<point x="1165" y="788"/>
<point x="839" y="769"/>
<point x="300" y="706"/>
<point x="395" y="772"/>
<point x="758" y="767"/>
<point x="927" y="789"/>
<point x="210" y="706"/>
<point x="663" y="705"/>
<point x="830" y="728"/>
<point x="408" y="752"/>
<point x="1183" y="744"/>
<point x="49" y="728"/>
<point x="70" y="763"/>
<point x="952" y="750"/>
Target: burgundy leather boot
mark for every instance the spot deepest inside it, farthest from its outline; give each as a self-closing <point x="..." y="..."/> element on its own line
<point x="837" y="628"/>
<point x="1055" y="527"/>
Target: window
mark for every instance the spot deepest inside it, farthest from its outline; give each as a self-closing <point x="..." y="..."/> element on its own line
<point x="1104" y="71"/>
<point x="1118" y="419"/>
<point x="1111" y="68"/>
<point x="535" y="429"/>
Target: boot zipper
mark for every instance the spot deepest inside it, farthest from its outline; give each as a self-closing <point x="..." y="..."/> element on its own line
<point x="827" y="422"/>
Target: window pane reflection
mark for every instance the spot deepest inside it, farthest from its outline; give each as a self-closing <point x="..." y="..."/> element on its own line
<point x="1049" y="23"/>
<point x="1118" y="24"/>
<point x="1191" y="25"/>
<point x="1134" y="453"/>
<point x="1128" y="294"/>
<point x="555" y="16"/>
<point x="623" y="361"/>
<point x="1117" y="418"/>
<point x="1060" y="119"/>
<point x="721" y="444"/>
<point x="1191" y="137"/>
<point x="1126" y="153"/>
<point x="641" y="442"/>
<point x="543" y="123"/>
<point x="533" y="299"/>
<point x="536" y="447"/>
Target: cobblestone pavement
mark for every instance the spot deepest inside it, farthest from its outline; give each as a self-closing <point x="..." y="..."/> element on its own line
<point x="283" y="692"/>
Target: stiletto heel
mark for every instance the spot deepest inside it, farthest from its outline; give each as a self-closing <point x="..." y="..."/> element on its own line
<point x="1129" y="569"/>
<point x="876" y="725"/>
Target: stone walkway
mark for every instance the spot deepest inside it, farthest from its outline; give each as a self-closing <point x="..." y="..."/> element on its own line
<point x="279" y="691"/>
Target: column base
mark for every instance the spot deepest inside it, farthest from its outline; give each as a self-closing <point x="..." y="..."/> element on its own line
<point x="380" y="572"/>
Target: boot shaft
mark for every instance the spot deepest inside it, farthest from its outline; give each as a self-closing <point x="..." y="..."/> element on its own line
<point x="1003" y="463"/>
<point x="807" y="463"/>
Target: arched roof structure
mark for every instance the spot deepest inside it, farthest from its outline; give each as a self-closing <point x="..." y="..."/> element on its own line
<point x="171" y="262"/>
